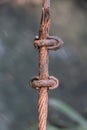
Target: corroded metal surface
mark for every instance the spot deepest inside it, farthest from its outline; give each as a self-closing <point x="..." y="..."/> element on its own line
<point x="44" y="82"/>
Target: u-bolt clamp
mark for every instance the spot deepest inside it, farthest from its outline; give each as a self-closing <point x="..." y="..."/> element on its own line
<point x="52" y="43"/>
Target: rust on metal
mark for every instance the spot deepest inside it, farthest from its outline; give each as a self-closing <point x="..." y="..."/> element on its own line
<point x="50" y="83"/>
<point x="43" y="82"/>
<point x="52" y="42"/>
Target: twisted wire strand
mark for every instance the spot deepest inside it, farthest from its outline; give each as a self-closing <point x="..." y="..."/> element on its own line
<point x="42" y="109"/>
<point x="44" y="82"/>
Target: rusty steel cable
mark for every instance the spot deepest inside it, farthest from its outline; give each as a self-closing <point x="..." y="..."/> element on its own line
<point x="44" y="82"/>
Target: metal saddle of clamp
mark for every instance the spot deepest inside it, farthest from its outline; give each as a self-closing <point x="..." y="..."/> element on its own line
<point x="52" y="42"/>
<point x="50" y="83"/>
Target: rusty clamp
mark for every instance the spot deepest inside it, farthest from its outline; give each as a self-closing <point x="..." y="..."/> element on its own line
<point x="52" y="43"/>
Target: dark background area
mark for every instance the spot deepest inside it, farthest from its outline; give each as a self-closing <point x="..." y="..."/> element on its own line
<point x="19" y="24"/>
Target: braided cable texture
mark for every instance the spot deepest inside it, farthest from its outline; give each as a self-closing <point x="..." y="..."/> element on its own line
<point x="44" y="82"/>
<point x="42" y="108"/>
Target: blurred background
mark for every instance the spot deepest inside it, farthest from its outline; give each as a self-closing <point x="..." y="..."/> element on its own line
<point x="19" y="24"/>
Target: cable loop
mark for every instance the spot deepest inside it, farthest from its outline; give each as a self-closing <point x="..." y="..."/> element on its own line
<point x="51" y="83"/>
